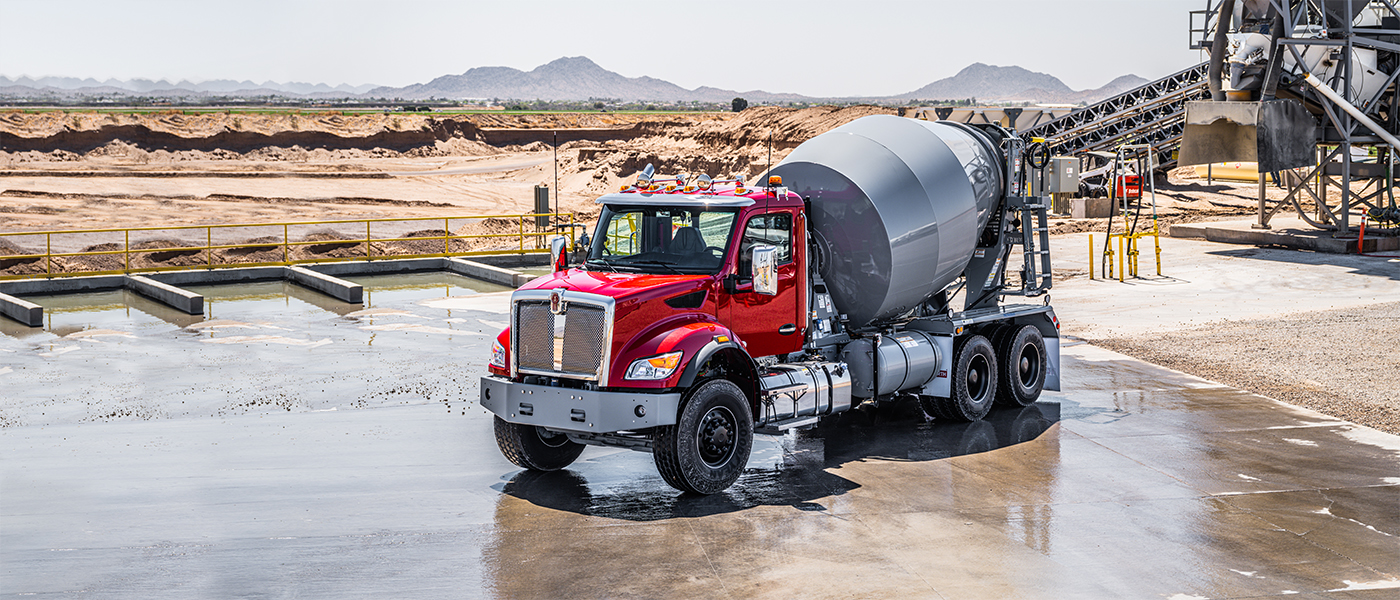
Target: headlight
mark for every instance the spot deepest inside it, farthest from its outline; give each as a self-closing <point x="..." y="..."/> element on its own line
<point x="498" y="354"/>
<point x="657" y="367"/>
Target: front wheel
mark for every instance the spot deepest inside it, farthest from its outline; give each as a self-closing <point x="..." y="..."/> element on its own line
<point x="708" y="447"/>
<point x="531" y="447"/>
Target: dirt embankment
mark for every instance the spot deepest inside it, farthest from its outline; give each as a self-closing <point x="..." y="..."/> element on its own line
<point x="415" y="135"/>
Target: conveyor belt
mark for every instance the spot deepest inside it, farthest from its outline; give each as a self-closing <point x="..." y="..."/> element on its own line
<point x="1153" y="113"/>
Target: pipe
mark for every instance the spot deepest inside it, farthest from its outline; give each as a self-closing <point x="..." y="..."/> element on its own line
<point x="1355" y="112"/>
<point x="1274" y="70"/>
<point x="1217" y="50"/>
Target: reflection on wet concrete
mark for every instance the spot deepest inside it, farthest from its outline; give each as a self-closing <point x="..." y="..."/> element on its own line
<point x="897" y="433"/>
<point x="1138" y="483"/>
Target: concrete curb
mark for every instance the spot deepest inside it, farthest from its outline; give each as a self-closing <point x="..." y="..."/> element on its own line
<point x="334" y="287"/>
<point x="25" y="312"/>
<point x="487" y="272"/>
<point x="167" y="294"/>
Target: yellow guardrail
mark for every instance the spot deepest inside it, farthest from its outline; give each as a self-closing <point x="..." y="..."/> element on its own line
<point x="212" y="259"/>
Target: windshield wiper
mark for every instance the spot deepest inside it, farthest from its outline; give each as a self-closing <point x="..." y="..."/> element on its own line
<point x="602" y="261"/>
<point x="668" y="266"/>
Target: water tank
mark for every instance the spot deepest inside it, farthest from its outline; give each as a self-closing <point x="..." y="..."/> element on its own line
<point x="898" y="205"/>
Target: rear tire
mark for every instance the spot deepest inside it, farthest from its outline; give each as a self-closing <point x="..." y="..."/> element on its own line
<point x="708" y="447"/>
<point x="1021" y="355"/>
<point x="530" y="447"/>
<point x="974" y="383"/>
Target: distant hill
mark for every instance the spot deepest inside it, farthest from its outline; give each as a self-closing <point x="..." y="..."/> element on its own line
<point x="989" y="83"/>
<point x="65" y="86"/>
<point x="569" y="78"/>
<point x="578" y="78"/>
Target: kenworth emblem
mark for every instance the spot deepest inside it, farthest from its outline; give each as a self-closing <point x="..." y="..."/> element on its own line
<point x="557" y="305"/>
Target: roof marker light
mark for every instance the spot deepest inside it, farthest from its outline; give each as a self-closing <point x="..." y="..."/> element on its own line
<point x="775" y="180"/>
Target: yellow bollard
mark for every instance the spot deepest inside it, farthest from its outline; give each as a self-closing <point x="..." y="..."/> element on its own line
<point x="1091" y="257"/>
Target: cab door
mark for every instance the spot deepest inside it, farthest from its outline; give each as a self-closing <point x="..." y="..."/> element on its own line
<point x="770" y="325"/>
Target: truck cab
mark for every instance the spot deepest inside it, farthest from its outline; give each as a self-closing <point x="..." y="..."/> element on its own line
<point x="667" y="288"/>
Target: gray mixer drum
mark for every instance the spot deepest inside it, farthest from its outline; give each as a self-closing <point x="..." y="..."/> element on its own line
<point x="899" y="204"/>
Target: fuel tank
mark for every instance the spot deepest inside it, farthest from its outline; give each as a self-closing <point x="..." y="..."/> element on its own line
<point x="897" y="207"/>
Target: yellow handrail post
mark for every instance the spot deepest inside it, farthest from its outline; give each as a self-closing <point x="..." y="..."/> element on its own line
<point x="1157" y="246"/>
<point x="522" y="233"/>
<point x="209" y="245"/>
<point x="48" y="253"/>
<point x="367" y="238"/>
<point x="1121" y="264"/>
<point x="126" y="264"/>
<point x="1091" y="257"/>
<point x="446" y="237"/>
<point x="286" y="249"/>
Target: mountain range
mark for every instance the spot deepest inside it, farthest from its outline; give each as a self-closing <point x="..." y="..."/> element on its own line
<point x="578" y="78"/>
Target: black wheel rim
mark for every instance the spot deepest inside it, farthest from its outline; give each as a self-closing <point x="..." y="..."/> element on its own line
<point x="553" y="440"/>
<point x="1028" y="366"/>
<point x="979" y="373"/>
<point x="717" y="436"/>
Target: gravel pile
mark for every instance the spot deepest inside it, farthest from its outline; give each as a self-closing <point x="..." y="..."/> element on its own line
<point x="1344" y="363"/>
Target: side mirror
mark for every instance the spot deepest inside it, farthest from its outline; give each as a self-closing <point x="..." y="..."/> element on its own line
<point x="765" y="271"/>
<point x="559" y="252"/>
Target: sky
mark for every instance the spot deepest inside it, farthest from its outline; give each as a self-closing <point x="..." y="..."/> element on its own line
<point x="822" y="48"/>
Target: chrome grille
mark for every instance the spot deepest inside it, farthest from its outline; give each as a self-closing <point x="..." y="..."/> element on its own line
<point x="582" y="350"/>
<point x="535" y="336"/>
<point x="573" y="344"/>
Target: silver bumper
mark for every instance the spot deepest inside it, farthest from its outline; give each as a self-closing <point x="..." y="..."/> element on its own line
<point x="566" y="409"/>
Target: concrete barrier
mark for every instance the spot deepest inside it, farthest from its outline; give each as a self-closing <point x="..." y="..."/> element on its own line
<point x="169" y="295"/>
<point x="379" y="267"/>
<point x="220" y="276"/>
<point x="63" y="285"/>
<point x="337" y="288"/>
<point x="1091" y="208"/>
<point x="25" y="312"/>
<point x="486" y="272"/>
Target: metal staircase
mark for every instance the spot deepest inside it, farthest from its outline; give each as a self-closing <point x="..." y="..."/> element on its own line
<point x="1153" y="113"/>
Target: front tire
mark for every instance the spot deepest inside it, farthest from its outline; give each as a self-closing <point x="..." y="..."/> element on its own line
<point x="708" y="447"/>
<point x="530" y="447"/>
<point x="974" y="383"/>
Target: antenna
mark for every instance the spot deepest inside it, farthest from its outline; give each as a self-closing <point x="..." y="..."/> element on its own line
<point x="770" y="149"/>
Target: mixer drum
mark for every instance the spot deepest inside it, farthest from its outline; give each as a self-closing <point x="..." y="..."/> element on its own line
<point x="899" y="204"/>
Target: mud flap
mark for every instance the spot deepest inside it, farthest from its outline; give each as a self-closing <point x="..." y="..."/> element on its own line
<point x="1052" y="364"/>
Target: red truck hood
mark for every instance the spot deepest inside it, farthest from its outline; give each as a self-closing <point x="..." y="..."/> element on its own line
<point x="620" y="286"/>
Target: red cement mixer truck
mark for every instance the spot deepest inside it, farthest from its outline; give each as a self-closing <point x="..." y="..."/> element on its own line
<point x="871" y="267"/>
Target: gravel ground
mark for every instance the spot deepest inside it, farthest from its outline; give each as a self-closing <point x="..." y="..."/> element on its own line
<point x="1344" y="363"/>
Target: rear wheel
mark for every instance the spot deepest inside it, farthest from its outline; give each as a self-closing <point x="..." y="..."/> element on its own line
<point x="708" y="447"/>
<point x="531" y="447"/>
<point x="1021" y="354"/>
<point x="974" y="383"/>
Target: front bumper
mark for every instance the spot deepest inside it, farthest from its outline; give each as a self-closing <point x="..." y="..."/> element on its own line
<point x="567" y="409"/>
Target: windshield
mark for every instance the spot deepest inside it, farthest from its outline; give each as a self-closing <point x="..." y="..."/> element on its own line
<point x="645" y="239"/>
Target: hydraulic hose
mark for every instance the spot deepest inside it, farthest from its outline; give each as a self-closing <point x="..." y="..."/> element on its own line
<point x="1217" y="49"/>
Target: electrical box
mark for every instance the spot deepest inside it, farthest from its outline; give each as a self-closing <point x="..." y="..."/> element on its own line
<point x="541" y="205"/>
<point x="1061" y="176"/>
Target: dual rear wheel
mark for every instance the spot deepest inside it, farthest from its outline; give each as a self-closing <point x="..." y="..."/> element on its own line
<point x="1008" y="369"/>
